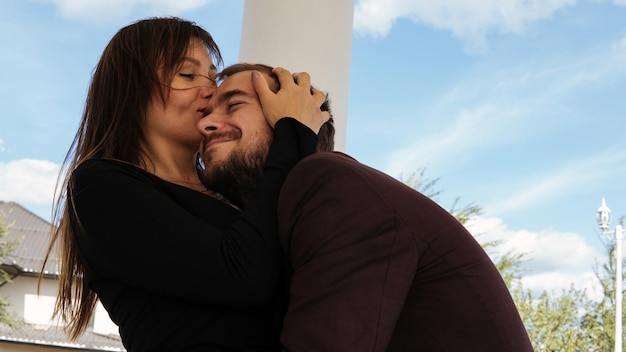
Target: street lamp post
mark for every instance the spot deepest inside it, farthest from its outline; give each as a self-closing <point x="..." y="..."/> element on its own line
<point x="604" y="220"/>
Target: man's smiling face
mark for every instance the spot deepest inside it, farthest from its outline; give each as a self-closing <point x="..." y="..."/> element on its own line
<point x="236" y="139"/>
<point x="235" y="121"/>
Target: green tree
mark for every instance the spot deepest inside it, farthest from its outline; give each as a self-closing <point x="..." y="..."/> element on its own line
<point x="6" y="247"/>
<point x="560" y="322"/>
<point x="601" y="321"/>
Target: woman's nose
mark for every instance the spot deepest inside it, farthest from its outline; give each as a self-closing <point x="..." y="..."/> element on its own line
<point x="207" y="91"/>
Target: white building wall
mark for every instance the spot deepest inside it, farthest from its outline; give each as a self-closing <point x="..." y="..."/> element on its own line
<point x="37" y="308"/>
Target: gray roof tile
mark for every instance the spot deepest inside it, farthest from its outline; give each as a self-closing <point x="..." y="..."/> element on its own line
<point x="54" y="336"/>
<point x="33" y="236"/>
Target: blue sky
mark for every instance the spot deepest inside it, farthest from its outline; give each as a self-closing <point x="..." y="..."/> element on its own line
<point x="518" y="106"/>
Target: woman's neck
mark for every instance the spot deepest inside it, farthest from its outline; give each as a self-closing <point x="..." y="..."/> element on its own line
<point x="179" y="169"/>
<point x="176" y="165"/>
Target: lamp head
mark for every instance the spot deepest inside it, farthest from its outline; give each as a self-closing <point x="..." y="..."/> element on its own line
<point x="603" y="216"/>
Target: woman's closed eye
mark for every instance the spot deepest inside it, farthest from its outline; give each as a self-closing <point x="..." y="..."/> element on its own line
<point x="194" y="76"/>
<point x="187" y="80"/>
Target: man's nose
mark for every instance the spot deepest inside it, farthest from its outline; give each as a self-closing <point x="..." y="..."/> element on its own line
<point x="209" y="124"/>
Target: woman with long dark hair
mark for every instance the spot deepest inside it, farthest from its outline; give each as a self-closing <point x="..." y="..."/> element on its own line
<point x="176" y="268"/>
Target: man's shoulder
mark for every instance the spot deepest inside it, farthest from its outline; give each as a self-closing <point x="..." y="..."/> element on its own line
<point x="332" y="166"/>
<point x="321" y="159"/>
<point x="321" y="168"/>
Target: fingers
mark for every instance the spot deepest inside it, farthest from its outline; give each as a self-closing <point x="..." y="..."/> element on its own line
<point x="325" y="117"/>
<point x="302" y="79"/>
<point x="321" y="100"/>
<point x="261" y="86"/>
<point x="318" y="93"/>
<point x="286" y="78"/>
<point x="295" y="99"/>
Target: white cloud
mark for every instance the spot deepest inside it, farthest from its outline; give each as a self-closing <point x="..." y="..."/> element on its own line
<point x="474" y="128"/>
<point x="469" y="21"/>
<point x="28" y="181"/>
<point x="619" y="2"/>
<point x="557" y="282"/>
<point x="107" y="10"/>
<point x="1" y="145"/>
<point x="619" y="48"/>
<point x="554" y="260"/>
<point x="575" y="174"/>
<point x="502" y="105"/>
<point x="546" y="250"/>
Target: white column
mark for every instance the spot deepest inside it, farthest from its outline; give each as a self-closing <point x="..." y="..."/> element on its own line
<point x="304" y="35"/>
<point x="619" y="235"/>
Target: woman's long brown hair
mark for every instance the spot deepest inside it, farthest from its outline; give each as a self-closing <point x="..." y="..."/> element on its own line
<point x="123" y="83"/>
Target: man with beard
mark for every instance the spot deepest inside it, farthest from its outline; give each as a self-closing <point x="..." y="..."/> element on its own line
<point x="372" y="264"/>
<point x="236" y="169"/>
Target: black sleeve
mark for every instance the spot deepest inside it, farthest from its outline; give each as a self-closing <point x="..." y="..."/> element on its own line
<point x="292" y="142"/>
<point x="130" y="231"/>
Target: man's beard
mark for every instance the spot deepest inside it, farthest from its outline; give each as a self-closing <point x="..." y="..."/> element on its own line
<point x="237" y="177"/>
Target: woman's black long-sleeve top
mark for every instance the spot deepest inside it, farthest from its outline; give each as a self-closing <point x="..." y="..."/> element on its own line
<point x="178" y="270"/>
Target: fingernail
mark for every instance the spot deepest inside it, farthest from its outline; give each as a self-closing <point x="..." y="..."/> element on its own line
<point x="255" y="75"/>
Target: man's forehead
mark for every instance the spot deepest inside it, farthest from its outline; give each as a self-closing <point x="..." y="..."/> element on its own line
<point x="240" y="80"/>
<point x="244" y="78"/>
<point x="238" y="84"/>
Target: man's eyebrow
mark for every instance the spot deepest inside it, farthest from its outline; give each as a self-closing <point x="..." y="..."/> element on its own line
<point x="224" y="97"/>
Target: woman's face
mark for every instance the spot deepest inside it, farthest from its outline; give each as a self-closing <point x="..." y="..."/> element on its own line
<point x="186" y="98"/>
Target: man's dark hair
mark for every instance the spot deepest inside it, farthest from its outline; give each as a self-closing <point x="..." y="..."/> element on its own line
<point x="326" y="134"/>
